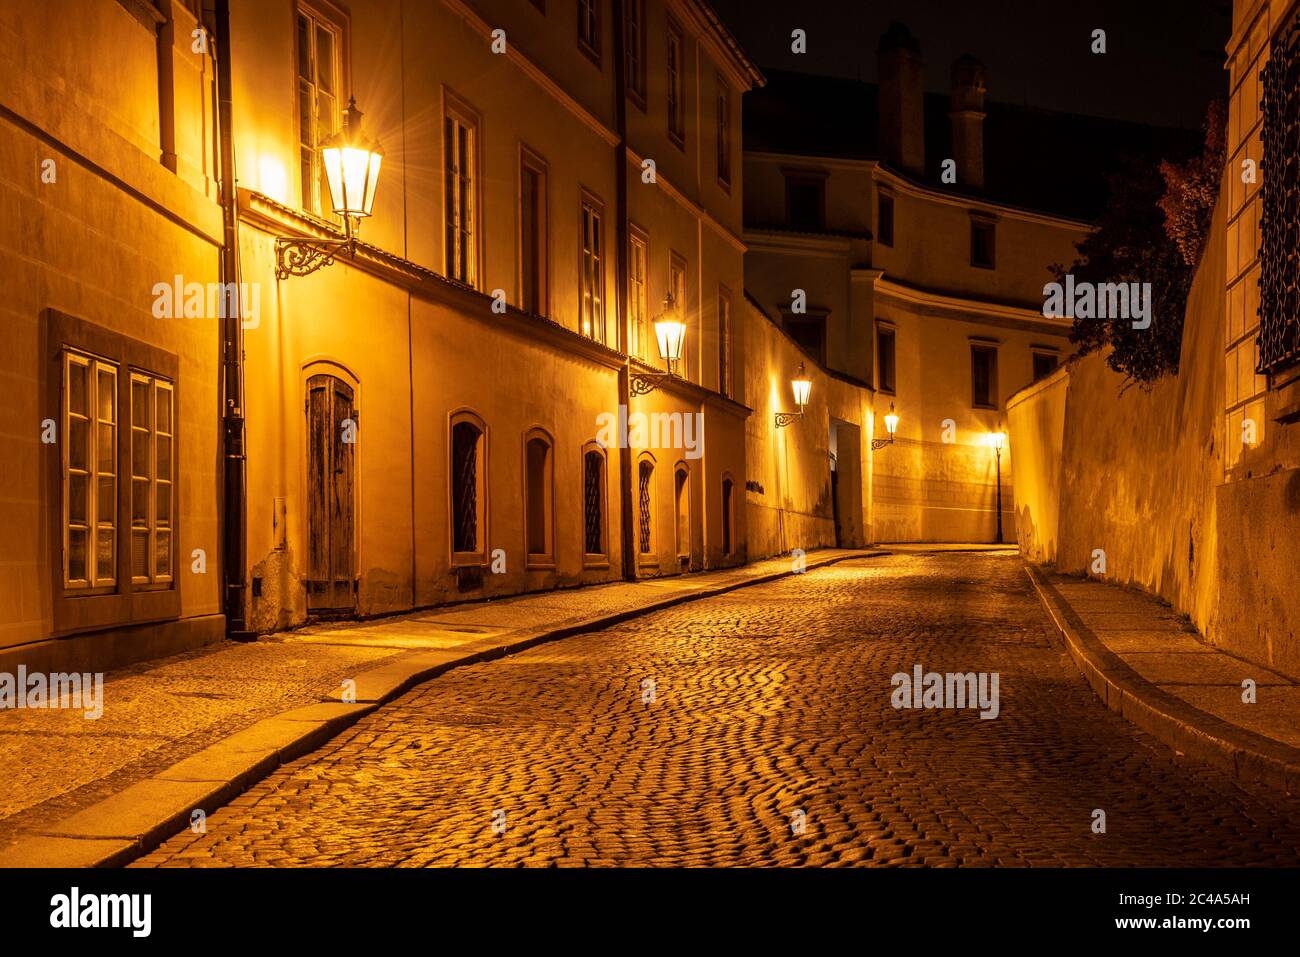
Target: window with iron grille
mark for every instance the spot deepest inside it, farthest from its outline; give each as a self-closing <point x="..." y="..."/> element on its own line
<point x="1279" y="278"/>
<point x="465" y="438"/>
<point x="645" y="475"/>
<point x="593" y="499"/>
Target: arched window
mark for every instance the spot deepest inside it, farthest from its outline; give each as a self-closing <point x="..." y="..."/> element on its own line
<point x="593" y="503"/>
<point x="645" y="487"/>
<point x="538" y="484"/>
<point x="727" y="486"/>
<point x="682" y="503"/>
<point x="468" y="500"/>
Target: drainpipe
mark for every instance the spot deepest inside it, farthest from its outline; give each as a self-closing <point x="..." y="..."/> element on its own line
<point x="620" y="295"/>
<point x="234" y="485"/>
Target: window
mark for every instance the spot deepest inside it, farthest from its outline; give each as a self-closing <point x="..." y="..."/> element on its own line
<point x="591" y="281"/>
<point x="984" y="376"/>
<point x="593" y="503"/>
<point x="538" y="486"/>
<point x="727" y="487"/>
<point x="682" y="500"/>
<point x="636" y="292"/>
<point x="468" y="489"/>
<point x="885" y="219"/>
<point x="724" y="343"/>
<point x="676" y="102"/>
<point x="635" y="57"/>
<point x="460" y="194"/>
<point x="885" y="359"/>
<point x="152" y="460"/>
<point x="589" y="28"/>
<point x="1044" y="364"/>
<point x="89" y="472"/>
<point x="808" y="330"/>
<point x="982" y="243"/>
<point x="677" y="286"/>
<point x="805" y="201"/>
<point x="532" y="234"/>
<point x="318" y="107"/>
<point x="724" y="133"/>
<point x="1277" y="344"/>
<point x="645" y="481"/>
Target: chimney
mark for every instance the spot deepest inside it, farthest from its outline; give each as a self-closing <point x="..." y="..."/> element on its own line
<point x="967" y="113"/>
<point x="900" y="75"/>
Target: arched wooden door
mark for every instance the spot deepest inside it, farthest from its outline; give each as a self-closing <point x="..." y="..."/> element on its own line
<point x="331" y="484"/>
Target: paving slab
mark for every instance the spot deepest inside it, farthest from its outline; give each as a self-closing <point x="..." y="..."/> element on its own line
<point x="1160" y="674"/>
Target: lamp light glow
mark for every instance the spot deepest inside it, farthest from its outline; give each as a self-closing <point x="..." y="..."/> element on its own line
<point x="802" y="386"/>
<point x="352" y="161"/>
<point x="671" y="332"/>
<point x="891" y="420"/>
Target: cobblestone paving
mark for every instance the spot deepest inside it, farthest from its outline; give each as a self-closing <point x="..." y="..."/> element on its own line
<point x="768" y="701"/>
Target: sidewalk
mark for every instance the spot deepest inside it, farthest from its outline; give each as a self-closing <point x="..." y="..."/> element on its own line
<point x="1146" y="662"/>
<point x="194" y="730"/>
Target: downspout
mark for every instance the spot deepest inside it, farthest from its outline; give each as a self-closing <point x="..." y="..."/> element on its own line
<point x="620" y="293"/>
<point x="234" y="485"/>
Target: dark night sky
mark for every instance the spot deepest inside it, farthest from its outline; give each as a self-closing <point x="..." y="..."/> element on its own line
<point x="1164" y="59"/>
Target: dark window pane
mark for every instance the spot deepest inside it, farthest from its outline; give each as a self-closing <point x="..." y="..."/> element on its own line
<point x="885" y="221"/>
<point x="537" y="504"/>
<point x="464" y="476"/>
<point x="804" y="203"/>
<point x="885" y="359"/>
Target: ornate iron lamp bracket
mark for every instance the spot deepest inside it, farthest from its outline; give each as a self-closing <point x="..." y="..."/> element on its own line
<point x="647" y="382"/>
<point x="878" y="444"/>
<point x="785" y="418"/>
<point x="302" y="257"/>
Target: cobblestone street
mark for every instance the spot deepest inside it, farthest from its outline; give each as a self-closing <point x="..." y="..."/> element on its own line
<point x="768" y="701"/>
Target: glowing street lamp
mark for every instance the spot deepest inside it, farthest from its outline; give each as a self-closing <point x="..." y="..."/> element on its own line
<point x="998" y="440"/>
<point x="351" y="160"/>
<point x="670" y="331"/>
<point x="891" y="426"/>
<point x="801" y="385"/>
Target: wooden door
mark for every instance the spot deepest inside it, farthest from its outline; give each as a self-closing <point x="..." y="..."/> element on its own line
<point x="331" y="480"/>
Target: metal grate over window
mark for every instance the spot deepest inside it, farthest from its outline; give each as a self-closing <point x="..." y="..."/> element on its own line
<point x="593" y="520"/>
<point x="464" y="470"/>
<point x="647" y="470"/>
<point x="1279" y="278"/>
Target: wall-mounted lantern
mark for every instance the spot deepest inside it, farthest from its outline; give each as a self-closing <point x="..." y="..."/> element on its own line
<point x="801" y="385"/>
<point x="670" y="331"/>
<point x="891" y="426"/>
<point x="351" y="160"/>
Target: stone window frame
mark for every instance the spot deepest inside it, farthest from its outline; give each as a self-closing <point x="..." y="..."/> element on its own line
<point x="478" y="558"/>
<point x="544" y="559"/>
<point x="596" y="559"/>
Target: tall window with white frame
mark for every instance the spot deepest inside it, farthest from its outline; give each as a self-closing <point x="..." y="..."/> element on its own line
<point x="676" y="93"/>
<point x="89" y="472"/>
<point x="724" y="343"/>
<point x="589" y="28"/>
<point x="677" y="286"/>
<point x="634" y="36"/>
<point x="460" y="194"/>
<point x="152" y="460"/>
<point x="319" y="47"/>
<point x="724" y="132"/>
<point x="591" y="303"/>
<point x="532" y="234"/>
<point x="636" y="293"/>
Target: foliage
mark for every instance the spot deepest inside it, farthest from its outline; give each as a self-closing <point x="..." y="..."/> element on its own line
<point x="1153" y="230"/>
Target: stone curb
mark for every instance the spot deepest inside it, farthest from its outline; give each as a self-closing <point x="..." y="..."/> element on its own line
<point x="1186" y="729"/>
<point x="131" y="823"/>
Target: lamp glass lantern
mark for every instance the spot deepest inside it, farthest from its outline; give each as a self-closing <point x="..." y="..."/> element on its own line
<point x="671" y="333"/>
<point x="352" y="161"/>
<point x="891" y="421"/>
<point x="802" y="386"/>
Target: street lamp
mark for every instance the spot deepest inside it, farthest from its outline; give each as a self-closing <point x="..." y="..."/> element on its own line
<point x="801" y="385"/>
<point x="351" y="160"/>
<point x="670" y="331"/>
<point x="998" y="440"/>
<point x="891" y="426"/>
